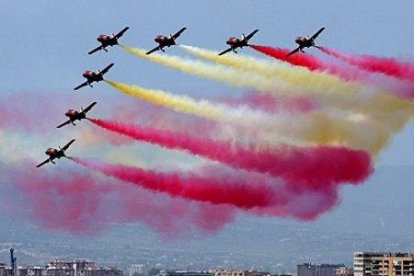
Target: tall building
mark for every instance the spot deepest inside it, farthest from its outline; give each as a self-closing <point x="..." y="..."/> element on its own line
<point x="308" y="269"/>
<point x="383" y="264"/>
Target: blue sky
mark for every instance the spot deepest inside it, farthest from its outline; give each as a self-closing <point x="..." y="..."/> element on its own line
<point x="45" y="43"/>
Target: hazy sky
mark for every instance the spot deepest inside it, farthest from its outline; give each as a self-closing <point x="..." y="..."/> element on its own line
<point x="44" y="49"/>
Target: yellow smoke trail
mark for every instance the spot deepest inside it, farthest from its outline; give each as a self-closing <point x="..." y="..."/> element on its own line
<point x="315" y="128"/>
<point x="212" y="71"/>
<point x="330" y="90"/>
<point x="241" y="116"/>
<point x="316" y="81"/>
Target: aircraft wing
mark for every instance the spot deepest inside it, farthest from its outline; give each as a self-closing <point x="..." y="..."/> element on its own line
<point x="89" y="107"/>
<point x="294" y="51"/>
<point x="81" y="85"/>
<point x="63" y="124"/>
<point x="177" y="34"/>
<point x="106" y="69"/>
<point x="226" y="51"/>
<point x="95" y="50"/>
<point x="121" y="33"/>
<point x="317" y="33"/>
<point x="68" y="145"/>
<point x="44" y="162"/>
<point x="153" y="50"/>
<point x="251" y="34"/>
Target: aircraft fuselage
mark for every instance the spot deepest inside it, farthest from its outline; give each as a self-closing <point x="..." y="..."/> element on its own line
<point x="54" y="153"/>
<point x="235" y="42"/>
<point x="304" y="42"/>
<point x="164" y="41"/>
<point x="91" y="76"/>
<point x="107" y="40"/>
<point x="75" y="115"/>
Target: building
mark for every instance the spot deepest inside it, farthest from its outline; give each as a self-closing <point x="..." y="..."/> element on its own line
<point x="62" y="268"/>
<point x="237" y="272"/>
<point x="3" y="271"/>
<point x="308" y="269"/>
<point x="383" y="264"/>
<point x="137" y="270"/>
<point x="35" y="270"/>
<point x="79" y="268"/>
<point x="344" y="271"/>
<point x="185" y="273"/>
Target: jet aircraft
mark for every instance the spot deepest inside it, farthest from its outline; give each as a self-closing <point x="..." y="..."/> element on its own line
<point x="164" y="41"/>
<point x="235" y="42"/>
<point x="55" y="153"/>
<point x="108" y="40"/>
<point x="92" y="76"/>
<point x="76" y="115"/>
<point x="306" y="42"/>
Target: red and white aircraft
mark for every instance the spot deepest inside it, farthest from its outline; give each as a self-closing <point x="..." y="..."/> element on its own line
<point x="76" y="115"/>
<point x="164" y="41"/>
<point x="92" y="76"/>
<point x="108" y="40"/>
<point x="55" y="153"/>
<point x="235" y="42"/>
<point x="306" y="42"/>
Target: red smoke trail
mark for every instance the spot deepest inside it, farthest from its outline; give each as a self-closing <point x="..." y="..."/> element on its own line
<point x="298" y="59"/>
<point x="312" y="167"/>
<point x="75" y="201"/>
<point x="256" y="193"/>
<point x="192" y="186"/>
<point x="70" y="201"/>
<point x="312" y="63"/>
<point x="305" y="206"/>
<point x="388" y="66"/>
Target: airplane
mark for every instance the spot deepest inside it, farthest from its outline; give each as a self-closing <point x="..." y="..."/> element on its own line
<point x="108" y="40"/>
<point x="76" y="115"/>
<point x="164" y="41"/>
<point x="55" y="153"/>
<point x="91" y="76"/>
<point x="306" y="42"/>
<point x="235" y="42"/>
